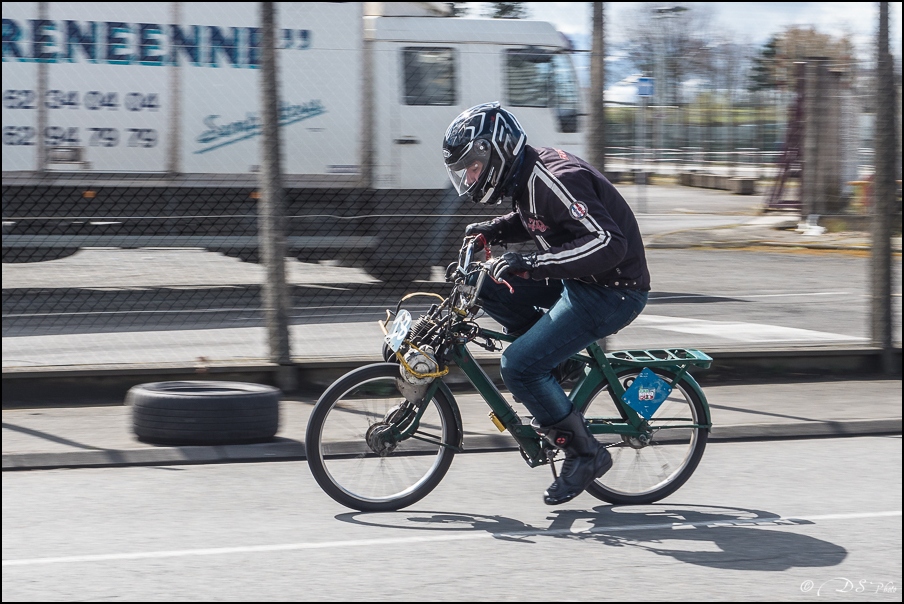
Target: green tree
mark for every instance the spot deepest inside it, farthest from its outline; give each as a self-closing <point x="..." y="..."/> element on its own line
<point x="507" y="10"/>
<point x="458" y="8"/>
<point x="763" y="72"/>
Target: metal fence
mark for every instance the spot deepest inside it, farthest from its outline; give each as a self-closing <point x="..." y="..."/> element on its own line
<point x="132" y="168"/>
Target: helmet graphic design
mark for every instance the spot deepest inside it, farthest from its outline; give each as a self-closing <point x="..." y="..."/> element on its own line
<point x="481" y="149"/>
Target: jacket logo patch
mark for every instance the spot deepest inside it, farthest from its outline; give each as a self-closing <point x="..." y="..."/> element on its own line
<point x="536" y="225"/>
<point x="578" y="210"/>
<point x="561" y="154"/>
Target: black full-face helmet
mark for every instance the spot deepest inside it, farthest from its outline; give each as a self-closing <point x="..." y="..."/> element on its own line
<point x="481" y="149"/>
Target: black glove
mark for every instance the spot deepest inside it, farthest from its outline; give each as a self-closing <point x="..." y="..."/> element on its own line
<point x="489" y="230"/>
<point x="512" y="263"/>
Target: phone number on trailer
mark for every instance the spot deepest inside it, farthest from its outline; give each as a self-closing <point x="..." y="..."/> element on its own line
<point x="96" y="137"/>
<point x="93" y="100"/>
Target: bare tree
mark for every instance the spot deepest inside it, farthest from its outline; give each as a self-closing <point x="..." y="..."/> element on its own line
<point x="674" y="44"/>
<point x="730" y="68"/>
<point x="802" y="43"/>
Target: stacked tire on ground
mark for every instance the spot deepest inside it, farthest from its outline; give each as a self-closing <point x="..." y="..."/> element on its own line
<point x="204" y="412"/>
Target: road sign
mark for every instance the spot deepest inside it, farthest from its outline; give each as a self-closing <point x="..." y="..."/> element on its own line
<point x="645" y="86"/>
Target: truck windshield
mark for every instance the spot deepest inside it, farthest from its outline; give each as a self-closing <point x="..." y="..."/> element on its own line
<point x="429" y="76"/>
<point x="567" y="101"/>
<point x="537" y="78"/>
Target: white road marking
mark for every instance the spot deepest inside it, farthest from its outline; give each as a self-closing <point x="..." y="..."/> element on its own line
<point x="789" y="295"/>
<point x="744" y="296"/>
<point x="370" y="543"/>
<point x="739" y="332"/>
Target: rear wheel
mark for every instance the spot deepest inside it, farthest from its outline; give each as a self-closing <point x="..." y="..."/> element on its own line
<point x="647" y="471"/>
<point x="353" y="455"/>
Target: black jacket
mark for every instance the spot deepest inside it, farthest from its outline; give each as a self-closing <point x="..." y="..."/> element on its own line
<point x="582" y="226"/>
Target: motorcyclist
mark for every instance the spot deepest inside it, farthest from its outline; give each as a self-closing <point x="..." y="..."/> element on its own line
<point x="589" y="273"/>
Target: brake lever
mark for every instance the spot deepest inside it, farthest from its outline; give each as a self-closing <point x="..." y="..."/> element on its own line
<point x="505" y="283"/>
<point x="489" y="255"/>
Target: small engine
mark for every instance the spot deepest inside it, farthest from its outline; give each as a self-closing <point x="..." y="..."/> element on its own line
<point x="421" y="361"/>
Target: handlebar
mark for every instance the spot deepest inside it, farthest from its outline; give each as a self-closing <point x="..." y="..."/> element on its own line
<point x="466" y="262"/>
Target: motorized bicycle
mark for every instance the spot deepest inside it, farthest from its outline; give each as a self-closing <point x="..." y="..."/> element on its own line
<point x="383" y="436"/>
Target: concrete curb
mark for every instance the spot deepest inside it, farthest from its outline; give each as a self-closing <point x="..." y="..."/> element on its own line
<point x="96" y="386"/>
<point x="283" y="449"/>
<point x="756" y="235"/>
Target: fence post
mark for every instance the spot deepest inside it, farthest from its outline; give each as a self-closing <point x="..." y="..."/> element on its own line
<point x="810" y="181"/>
<point x="597" y="129"/>
<point x="886" y="161"/>
<point x="40" y="103"/>
<point x="174" y="153"/>
<point x="271" y="212"/>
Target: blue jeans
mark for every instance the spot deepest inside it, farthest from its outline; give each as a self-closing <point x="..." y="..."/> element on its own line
<point x="579" y="314"/>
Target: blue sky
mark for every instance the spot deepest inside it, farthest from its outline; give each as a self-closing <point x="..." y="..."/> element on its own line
<point x="749" y="22"/>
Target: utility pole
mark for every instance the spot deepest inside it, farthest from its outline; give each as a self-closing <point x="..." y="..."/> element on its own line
<point x="597" y="129"/>
<point x="884" y="190"/>
<point x="272" y="212"/>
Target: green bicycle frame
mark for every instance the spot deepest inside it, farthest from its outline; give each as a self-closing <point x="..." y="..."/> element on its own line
<point x="603" y="367"/>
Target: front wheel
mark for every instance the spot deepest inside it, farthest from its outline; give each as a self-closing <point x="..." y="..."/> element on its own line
<point x="353" y="454"/>
<point x="647" y="471"/>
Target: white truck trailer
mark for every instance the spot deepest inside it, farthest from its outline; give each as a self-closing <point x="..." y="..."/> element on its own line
<point x="137" y="124"/>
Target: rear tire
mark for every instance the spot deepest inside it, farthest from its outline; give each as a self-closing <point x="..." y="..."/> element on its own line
<point x="655" y="471"/>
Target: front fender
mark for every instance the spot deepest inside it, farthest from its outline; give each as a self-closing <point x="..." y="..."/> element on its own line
<point x="448" y="393"/>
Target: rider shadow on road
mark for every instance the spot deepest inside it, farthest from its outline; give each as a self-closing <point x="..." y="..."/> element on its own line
<point x="711" y="536"/>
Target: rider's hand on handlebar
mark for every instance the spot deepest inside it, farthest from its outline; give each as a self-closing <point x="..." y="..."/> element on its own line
<point x="489" y="230"/>
<point x="511" y="263"/>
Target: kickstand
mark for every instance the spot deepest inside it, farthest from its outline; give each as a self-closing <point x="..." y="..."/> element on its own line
<point x="550" y="455"/>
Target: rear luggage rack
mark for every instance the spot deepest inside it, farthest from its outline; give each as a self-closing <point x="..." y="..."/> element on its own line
<point x="660" y="357"/>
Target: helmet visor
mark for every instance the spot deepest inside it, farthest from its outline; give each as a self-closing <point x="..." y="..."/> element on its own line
<point x="469" y="171"/>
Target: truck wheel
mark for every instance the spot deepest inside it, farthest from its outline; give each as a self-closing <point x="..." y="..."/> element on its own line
<point x="243" y="254"/>
<point x="204" y="412"/>
<point x="390" y="271"/>
<point x="18" y="255"/>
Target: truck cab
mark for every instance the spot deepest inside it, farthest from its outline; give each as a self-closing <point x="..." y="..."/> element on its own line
<point x="427" y="70"/>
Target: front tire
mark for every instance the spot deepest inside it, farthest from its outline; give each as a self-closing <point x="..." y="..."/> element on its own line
<point x="346" y="459"/>
<point x="646" y="474"/>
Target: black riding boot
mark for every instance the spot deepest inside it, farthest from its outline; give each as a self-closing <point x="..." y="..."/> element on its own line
<point x="585" y="458"/>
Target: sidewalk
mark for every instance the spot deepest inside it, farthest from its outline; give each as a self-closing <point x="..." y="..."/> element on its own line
<point x="102" y="436"/>
<point x="766" y="231"/>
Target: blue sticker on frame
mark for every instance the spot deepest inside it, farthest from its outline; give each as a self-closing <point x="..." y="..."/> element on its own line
<point x="647" y="393"/>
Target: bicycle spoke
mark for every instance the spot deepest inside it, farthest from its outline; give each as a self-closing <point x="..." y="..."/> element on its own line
<point x="643" y="470"/>
<point x="356" y="459"/>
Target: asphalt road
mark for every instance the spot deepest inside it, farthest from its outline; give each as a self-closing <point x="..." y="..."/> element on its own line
<point x="708" y="299"/>
<point x="759" y="521"/>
